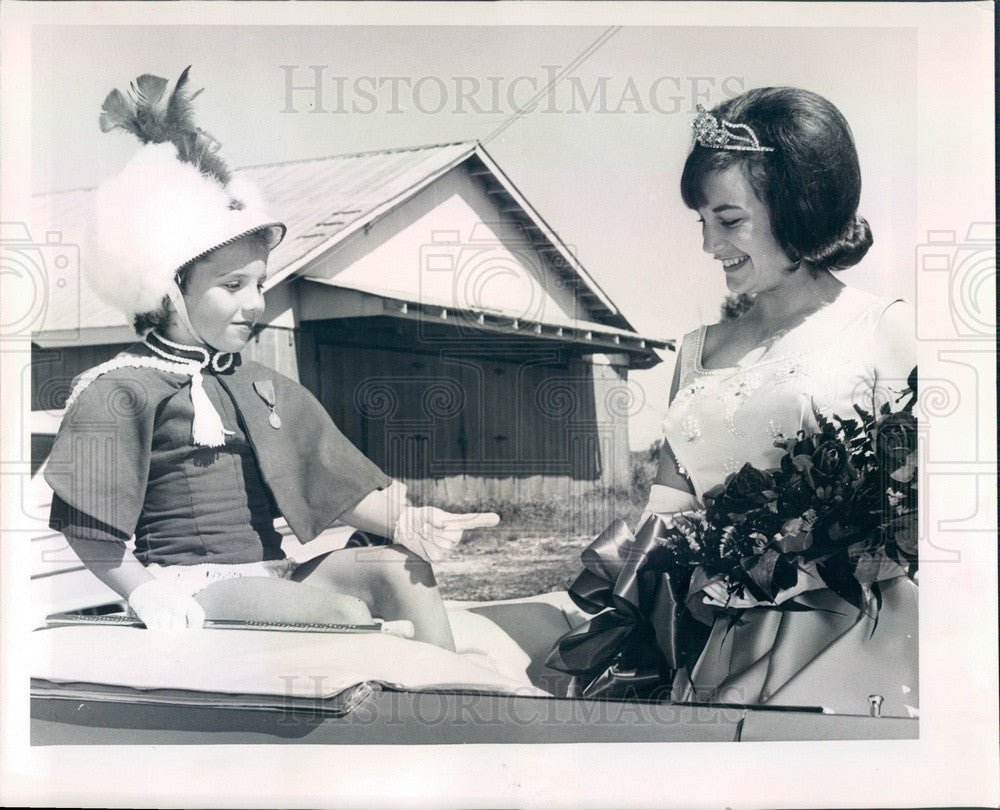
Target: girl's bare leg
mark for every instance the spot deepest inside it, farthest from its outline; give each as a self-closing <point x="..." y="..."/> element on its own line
<point x="392" y="581"/>
<point x="267" y="599"/>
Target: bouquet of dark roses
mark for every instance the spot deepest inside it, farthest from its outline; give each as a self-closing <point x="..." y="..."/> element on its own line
<point x="842" y="505"/>
<point x="839" y="511"/>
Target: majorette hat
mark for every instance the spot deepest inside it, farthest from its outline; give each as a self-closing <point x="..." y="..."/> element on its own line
<point x="174" y="202"/>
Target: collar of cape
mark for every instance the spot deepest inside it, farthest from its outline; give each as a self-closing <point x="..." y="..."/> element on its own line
<point x="206" y="358"/>
<point x="314" y="473"/>
<point x="207" y="429"/>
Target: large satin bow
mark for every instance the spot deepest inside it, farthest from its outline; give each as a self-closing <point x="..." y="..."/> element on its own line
<point x="625" y="582"/>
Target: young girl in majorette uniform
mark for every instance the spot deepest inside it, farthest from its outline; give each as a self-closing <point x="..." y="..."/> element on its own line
<point x="193" y="450"/>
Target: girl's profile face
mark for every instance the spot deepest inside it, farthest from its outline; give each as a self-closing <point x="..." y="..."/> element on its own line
<point x="224" y="295"/>
<point x="736" y="230"/>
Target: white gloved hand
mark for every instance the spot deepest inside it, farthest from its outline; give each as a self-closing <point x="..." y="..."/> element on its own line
<point x="432" y="533"/>
<point x="160" y="605"/>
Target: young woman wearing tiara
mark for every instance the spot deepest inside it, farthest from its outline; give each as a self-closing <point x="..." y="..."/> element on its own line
<point x="776" y="182"/>
<point x="194" y="450"/>
<point x="775" y="178"/>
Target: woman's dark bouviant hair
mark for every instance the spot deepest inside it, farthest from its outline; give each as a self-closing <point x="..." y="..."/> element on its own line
<point x="162" y="317"/>
<point x="811" y="182"/>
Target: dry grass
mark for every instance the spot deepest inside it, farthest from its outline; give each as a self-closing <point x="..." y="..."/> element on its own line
<point x="523" y="566"/>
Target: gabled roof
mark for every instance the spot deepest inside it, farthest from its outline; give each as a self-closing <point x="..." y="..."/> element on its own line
<point x="325" y="200"/>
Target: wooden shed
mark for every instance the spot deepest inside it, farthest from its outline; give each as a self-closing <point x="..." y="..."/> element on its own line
<point x="451" y="334"/>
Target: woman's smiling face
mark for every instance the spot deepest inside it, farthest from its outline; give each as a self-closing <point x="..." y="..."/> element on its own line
<point x="736" y="230"/>
<point x="224" y="294"/>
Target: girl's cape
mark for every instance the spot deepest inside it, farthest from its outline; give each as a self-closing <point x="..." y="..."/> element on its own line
<point x="99" y="463"/>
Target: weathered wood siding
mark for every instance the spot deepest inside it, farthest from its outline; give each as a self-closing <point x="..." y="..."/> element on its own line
<point x="274" y="347"/>
<point x="53" y="371"/>
<point x="458" y="428"/>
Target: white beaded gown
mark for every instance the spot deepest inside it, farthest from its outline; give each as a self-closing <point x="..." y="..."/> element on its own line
<point x="855" y="348"/>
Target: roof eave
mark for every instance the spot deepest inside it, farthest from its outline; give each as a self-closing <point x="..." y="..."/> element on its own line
<point x="552" y="236"/>
<point x="598" y="338"/>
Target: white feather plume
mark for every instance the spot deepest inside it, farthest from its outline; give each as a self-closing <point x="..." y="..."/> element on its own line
<point x="174" y="201"/>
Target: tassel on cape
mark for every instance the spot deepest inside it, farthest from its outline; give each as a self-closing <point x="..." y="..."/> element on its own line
<point x="206" y="427"/>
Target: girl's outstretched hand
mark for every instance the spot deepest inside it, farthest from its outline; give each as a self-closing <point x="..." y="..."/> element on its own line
<point x="432" y="533"/>
<point x="162" y="606"/>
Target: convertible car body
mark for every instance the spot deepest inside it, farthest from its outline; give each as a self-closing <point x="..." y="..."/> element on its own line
<point x="105" y="682"/>
<point x="122" y="685"/>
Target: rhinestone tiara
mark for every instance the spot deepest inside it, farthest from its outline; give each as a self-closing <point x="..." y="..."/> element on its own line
<point x="726" y="135"/>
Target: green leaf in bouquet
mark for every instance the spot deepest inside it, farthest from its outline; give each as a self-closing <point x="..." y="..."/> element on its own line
<point x="762" y="571"/>
<point x="872" y="568"/>
<point x="894" y="497"/>
<point x="910" y="391"/>
<point x="907" y="471"/>
<point x="838" y="532"/>
<point x="699" y="579"/>
<point x="796" y="536"/>
<point x="808" y="518"/>
<point x="786" y="573"/>
<point x="747" y="585"/>
<point x="820" y="418"/>
<point x="839" y="578"/>
<point x="850" y="428"/>
<point x="855" y="550"/>
<point x="804" y="446"/>
<point x="802" y="462"/>
<point x="795" y="543"/>
<point x="866" y="417"/>
<point x="760" y="542"/>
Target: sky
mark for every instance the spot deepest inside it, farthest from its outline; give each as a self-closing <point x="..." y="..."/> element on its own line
<point x="599" y="154"/>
